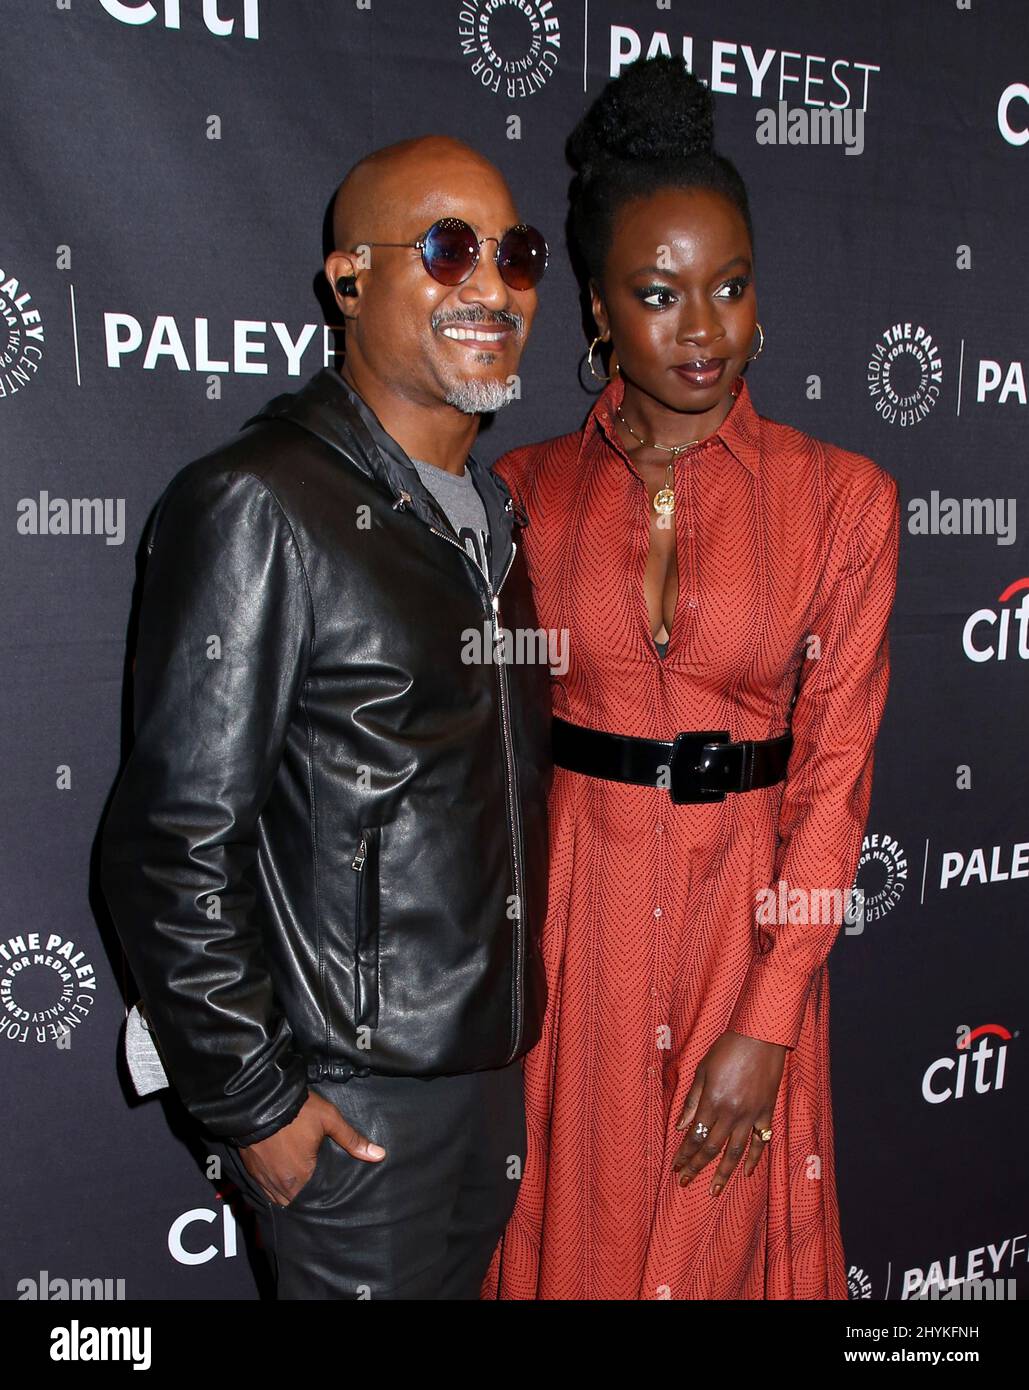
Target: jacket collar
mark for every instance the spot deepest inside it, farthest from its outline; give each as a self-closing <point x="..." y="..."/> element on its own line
<point x="328" y="407"/>
<point x="740" y="431"/>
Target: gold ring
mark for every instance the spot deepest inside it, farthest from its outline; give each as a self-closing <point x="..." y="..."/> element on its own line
<point x="763" y="1134"/>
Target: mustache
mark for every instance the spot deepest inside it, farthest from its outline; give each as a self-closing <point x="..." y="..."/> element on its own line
<point x="477" y="314"/>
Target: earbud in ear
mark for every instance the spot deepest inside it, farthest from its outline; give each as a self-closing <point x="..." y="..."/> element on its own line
<point x="347" y="285"/>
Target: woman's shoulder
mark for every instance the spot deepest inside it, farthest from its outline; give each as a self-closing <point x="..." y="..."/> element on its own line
<point x="521" y="468"/>
<point x="799" y="457"/>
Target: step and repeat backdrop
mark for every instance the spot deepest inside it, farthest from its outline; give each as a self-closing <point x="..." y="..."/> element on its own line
<point x="166" y="173"/>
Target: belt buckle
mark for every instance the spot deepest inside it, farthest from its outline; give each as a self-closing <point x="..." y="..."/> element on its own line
<point x="688" y="766"/>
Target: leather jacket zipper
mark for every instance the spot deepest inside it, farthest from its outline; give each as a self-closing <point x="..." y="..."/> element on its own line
<point x="366" y="946"/>
<point x="513" y="822"/>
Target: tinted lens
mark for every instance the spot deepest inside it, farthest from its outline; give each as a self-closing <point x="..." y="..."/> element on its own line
<point x="450" y="251"/>
<point x="522" y="257"/>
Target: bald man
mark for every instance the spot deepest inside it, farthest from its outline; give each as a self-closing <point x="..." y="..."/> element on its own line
<point x="326" y="854"/>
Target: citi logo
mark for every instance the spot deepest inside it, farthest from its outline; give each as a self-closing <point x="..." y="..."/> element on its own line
<point x="146" y="13"/>
<point x="189" y="1247"/>
<point x="987" y="634"/>
<point x="948" y="1077"/>
<point x="1011" y="119"/>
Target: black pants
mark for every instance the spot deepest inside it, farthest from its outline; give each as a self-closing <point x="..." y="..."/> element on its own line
<point x="423" y="1222"/>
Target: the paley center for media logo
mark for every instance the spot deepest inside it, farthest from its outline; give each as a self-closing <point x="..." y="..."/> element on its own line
<point x="905" y="374"/>
<point x="511" y="46"/>
<point x="21" y="335"/>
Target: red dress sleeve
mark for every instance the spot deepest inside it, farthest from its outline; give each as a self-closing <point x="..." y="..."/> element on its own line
<point x="514" y="468"/>
<point x="828" y="786"/>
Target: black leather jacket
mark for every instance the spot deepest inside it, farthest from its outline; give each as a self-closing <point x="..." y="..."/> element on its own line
<point x="327" y="852"/>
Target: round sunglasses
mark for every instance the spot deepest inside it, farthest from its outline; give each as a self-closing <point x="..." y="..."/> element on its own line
<point x="450" y="252"/>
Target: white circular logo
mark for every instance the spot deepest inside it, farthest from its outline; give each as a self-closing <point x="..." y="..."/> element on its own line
<point x="21" y="336"/>
<point x="858" y="1283"/>
<point x="882" y="874"/>
<point x="512" y="45"/>
<point x="47" y="988"/>
<point x="905" y="374"/>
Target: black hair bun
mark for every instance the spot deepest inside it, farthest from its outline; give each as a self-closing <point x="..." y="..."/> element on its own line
<point x="654" y="110"/>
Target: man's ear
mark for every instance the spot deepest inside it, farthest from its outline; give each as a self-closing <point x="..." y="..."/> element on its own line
<point x="341" y="272"/>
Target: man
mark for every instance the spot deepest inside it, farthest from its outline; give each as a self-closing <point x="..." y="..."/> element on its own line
<point x="326" y="856"/>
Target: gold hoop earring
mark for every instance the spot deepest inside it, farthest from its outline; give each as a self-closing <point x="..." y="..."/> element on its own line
<point x="761" y="346"/>
<point x="589" y="358"/>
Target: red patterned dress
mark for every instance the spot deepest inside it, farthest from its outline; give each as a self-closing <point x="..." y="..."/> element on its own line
<point x="787" y="556"/>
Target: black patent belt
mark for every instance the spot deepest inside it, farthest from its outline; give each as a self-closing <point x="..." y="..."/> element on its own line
<point x="698" y="766"/>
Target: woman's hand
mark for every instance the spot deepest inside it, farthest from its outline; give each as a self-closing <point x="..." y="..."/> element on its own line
<point x="733" y="1091"/>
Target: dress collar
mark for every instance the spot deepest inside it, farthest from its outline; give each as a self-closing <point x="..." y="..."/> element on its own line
<point x="740" y="431"/>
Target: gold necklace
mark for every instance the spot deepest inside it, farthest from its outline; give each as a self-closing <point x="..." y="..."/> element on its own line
<point x="664" y="498"/>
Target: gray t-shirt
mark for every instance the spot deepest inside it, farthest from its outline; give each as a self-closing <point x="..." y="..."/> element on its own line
<point x="460" y="500"/>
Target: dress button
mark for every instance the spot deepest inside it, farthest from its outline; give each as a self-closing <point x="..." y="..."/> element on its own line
<point x="691" y="601"/>
<point x="658" y="828"/>
<point x="657" y="912"/>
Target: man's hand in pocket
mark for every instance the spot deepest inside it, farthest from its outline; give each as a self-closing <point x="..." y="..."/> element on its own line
<point x="282" y="1164"/>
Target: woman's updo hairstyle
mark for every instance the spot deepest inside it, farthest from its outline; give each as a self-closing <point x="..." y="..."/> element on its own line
<point x="652" y="127"/>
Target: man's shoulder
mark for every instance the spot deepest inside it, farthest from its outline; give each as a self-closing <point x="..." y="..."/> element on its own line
<point x="236" y="489"/>
<point x="273" y="455"/>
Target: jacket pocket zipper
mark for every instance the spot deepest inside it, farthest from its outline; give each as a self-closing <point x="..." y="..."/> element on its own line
<point x="366" y="931"/>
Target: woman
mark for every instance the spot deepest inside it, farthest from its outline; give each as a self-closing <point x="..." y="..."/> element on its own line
<point x="718" y="573"/>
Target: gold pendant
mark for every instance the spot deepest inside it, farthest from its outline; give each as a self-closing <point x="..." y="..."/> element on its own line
<point x="664" y="501"/>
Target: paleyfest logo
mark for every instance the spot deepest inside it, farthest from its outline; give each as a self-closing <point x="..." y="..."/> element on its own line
<point x="905" y="374"/>
<point x="21" y="336"/>
<point x="513" y="45"/>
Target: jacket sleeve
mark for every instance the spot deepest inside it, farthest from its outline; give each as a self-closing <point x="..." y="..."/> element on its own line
<point x="224" y="632"/>
<point x="825" y="801"/>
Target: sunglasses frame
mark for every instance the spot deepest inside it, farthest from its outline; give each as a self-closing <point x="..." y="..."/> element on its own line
<point x="422" y="242"/>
